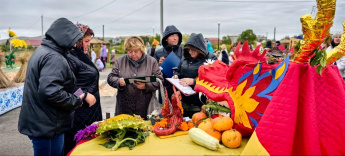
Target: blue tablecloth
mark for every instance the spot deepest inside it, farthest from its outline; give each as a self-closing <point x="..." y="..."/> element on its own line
<point x="11" y="98"/>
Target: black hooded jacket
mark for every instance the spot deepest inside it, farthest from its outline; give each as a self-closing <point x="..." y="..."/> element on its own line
<point x="87" y="76"/>
<point x="167" y="49"/>
<point x="48" y="100"/>
<point x="189" y="66"/>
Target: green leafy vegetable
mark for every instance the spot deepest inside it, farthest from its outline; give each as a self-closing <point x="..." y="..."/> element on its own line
<point x="123" y="131"/>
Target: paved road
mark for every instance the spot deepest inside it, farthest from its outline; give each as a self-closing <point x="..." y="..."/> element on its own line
<point x="14" y="143"/>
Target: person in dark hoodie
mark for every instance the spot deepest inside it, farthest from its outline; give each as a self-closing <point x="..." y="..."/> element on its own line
<point x="195" y="54"/>
<point x="268" y="45"/>
<point x="48" y="99"/>
<point x="87" y="76"/>
<point x="171" y="41"/>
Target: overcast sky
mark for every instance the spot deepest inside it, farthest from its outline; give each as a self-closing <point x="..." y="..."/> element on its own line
<point x="138" y="17"/>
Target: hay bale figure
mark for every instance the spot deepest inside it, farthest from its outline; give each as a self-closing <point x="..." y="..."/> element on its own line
<point x="4" y="82"/>
<point x="20" y="76"/>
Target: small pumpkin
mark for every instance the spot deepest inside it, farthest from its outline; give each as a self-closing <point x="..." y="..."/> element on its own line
<point x="232" y="138"/>
<point x="214" y="120"/>
<point x="214" y="133"/>
<point x="198" y="116"/>
<point x="222" y="123"/>
<point x="205" y="125"/>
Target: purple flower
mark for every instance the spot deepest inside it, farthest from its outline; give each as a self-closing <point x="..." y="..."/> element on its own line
<point x="86" y="133"/>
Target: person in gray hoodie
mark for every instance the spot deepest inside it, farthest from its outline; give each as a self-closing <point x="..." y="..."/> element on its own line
<point x="171" y="41"/>
<point x="48" y="98"/>
<point x="195" y="54"/>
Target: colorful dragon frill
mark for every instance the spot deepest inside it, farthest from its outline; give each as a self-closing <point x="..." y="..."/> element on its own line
<point x="246" y="85"/>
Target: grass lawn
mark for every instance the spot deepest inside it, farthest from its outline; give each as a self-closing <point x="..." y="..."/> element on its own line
<point x="15" y="66"/>
<point x="117" y="56"/>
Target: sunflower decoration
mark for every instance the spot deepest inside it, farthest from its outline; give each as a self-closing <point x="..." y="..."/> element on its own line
<point x="11" y="33"/>
<point x="17" y="43"/>
<point x="123" y="130"/>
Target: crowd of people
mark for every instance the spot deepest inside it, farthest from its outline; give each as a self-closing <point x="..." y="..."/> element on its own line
<point x="61" y="93"/>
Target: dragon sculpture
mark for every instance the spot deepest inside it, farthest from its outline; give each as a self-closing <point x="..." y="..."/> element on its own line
<point x="244" y="84"/>
<point x="174" y="115"/>
<point x="249" y="83"/>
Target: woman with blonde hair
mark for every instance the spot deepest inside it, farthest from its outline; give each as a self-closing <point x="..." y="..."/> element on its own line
<point x="224" y="57"/>
<point x="134" y="98"/>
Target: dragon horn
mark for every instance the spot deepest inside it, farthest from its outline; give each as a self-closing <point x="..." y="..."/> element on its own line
<point x="237" y="50"/>
<point x="257" y="50"/>
<point x="245" y="49"/>
<point x="263" y="53"/>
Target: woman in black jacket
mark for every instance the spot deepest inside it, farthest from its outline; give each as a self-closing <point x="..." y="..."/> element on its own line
<point x="195" y="54"/>
<point x="87" y="77"/>
<point x="48" y="100"/>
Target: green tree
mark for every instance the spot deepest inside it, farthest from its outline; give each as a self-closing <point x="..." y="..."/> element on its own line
<point x="5" y="48"/>
<point x="158" y="37"/>
<point x="226" y="40"/>
<point x="247" y="35"/>
<point x="145" y="39"/>
<point x="185" y="37"/>
<point x="287" y="37"/>
<point x="151" y="40"/>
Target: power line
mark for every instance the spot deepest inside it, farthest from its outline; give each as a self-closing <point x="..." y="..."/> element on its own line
<point x="50" y="18"/>
<point x="111" y="28"/>
<point x="32" y="24"/>
<point x="94" y="10"/>
<point x="131" y="13"/>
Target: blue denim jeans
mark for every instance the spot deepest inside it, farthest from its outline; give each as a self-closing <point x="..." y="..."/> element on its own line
<point x="48" y="147"/>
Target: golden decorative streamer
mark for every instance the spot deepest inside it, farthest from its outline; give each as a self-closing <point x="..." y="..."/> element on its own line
<point x="315" y="31"/>
<point x="338" y="51"/>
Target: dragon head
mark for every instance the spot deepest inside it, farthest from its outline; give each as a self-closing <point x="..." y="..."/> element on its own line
<point x="246" y="85"/>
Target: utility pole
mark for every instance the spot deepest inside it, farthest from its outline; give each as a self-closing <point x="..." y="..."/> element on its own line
<point x="9" y="40"/>
<point x="42" y="25"/>
<point x="218" y="33"/>
<point x="103" y="32"/>
<point x="266" y="35"/>
<point x="153" y="31"/>
<point x="274" y="34"/>
<point x="161" y="19"/>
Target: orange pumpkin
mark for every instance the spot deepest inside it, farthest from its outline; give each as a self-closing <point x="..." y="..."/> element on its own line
<point x="232" y="138"/>
<point x="197" y="116"/>
<point x="213" y="121"/>
<point x="214" y="133"/>
<point x="205" y="125"/>
<point x="223" y="123"/>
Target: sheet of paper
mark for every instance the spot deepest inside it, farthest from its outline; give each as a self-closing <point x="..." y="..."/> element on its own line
<point x="185" y="90"/>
